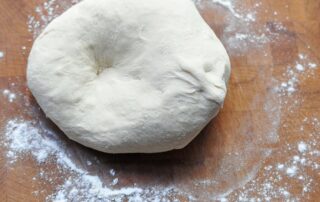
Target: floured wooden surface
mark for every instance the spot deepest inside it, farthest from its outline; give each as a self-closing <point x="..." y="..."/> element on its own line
<point x="264" y="145"/>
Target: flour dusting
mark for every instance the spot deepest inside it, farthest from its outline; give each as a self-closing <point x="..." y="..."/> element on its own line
<point x="9" y="95"/>
<point x="229" y="5"/>
<point x="45" y="13"/>
<point x="1" y="54"/>
<point x="241" y="35"/>
<point x="278" y="178"/>
<point x="24" y="137"/>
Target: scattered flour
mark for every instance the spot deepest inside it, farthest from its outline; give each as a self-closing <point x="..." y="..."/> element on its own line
<point x="45" y="13"/>
<point x="9" y="95"/>
<point x="240" y="35"/>
<point x="1" y="54"/>
<point x="24" y="137"/>
<point x="312" y="65"/>
<point x="292" y="171"/>
<point x="228" y="4"/>
<point x="299" y="67"/>
<point x="303" y="67"/>
<point x="278" y="179"/>
<point x="302" y="147"/>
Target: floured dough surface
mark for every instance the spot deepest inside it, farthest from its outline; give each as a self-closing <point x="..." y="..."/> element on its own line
<point x="124" y="76"/>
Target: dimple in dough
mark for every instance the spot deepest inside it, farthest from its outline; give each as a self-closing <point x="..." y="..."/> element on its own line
<point x="123" y="76"/>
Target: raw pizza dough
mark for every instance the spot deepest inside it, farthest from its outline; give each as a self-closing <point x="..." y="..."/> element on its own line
<point x="124" y="76"/>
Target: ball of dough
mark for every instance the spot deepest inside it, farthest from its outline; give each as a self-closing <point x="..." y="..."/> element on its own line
<point x="123" y="76"/>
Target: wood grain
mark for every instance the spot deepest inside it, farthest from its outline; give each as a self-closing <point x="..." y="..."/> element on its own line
<point x="251" y="73"/>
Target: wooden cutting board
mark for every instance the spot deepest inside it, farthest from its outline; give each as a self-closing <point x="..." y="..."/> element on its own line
<point x="254" y="148"/>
